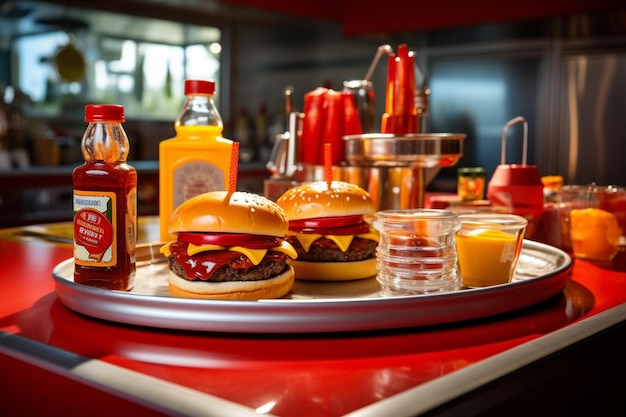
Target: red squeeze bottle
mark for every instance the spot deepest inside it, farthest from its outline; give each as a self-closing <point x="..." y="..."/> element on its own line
<point x="105" y="203"/>
<point x="333" y="126"/>
<point x="351" y="120"/>
<point x="400" y="112"/>
<point x="390" y="94"/>
<point x="409" y="111"/>
<point x="312" y="125"/>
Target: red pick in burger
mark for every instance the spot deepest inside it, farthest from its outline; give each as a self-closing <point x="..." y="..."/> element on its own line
<point x="229" y="245"/>
<point x="329" y="231"/>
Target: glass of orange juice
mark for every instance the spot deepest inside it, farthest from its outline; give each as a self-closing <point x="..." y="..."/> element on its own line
<point x="593" y="220"/>
<point x="573" y="197"/>
<point x="488" y="248"/>
<point x="595" y="234"/>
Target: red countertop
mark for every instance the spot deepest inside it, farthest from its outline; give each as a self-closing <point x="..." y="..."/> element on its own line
<point x="295" y="374"/>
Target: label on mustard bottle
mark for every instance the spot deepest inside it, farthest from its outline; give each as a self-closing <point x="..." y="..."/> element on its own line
<point x="194" y="178"/>
<point x="95" y="228"/>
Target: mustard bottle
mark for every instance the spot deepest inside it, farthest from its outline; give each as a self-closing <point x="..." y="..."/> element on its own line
<point x="197" y="159"/>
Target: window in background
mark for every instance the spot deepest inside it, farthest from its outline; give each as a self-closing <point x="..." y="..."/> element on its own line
<point x="145" y="75"/>
<point x="34" y="64"/>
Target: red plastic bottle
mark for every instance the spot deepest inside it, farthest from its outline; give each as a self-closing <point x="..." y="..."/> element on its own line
<point x="105" y="203"/>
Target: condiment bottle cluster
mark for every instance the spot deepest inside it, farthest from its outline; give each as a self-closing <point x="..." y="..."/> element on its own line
<point x="195" y="161"/>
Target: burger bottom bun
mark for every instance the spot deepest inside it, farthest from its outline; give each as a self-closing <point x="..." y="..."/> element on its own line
<point x="232" y="290"/>
<point x="334" y="271"/>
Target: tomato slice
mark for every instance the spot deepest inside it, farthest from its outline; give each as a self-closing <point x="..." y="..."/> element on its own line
<point x="230" y="239"/>
<point x="346" y="225"/>
<point x="338" y="221"/>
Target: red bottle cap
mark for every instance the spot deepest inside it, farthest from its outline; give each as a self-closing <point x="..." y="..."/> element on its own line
<point x="104" y="112"/>
<point x="199" y="87"/>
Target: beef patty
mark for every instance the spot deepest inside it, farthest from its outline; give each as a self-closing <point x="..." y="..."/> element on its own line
<point x="325" y="250"/>
<point x="264" y="270"/>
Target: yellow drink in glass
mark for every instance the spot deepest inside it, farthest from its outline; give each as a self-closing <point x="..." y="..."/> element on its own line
<point x="488" y="247"/>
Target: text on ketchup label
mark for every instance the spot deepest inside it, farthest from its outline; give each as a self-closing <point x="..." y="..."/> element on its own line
<point x="95" y="228"/>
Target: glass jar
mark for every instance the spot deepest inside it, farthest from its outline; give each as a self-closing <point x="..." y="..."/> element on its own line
<point x="471" y="183"/>
<point x="416" y="253"/>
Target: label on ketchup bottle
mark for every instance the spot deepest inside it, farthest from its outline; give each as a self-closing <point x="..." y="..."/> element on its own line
<point x="94" y="228"/>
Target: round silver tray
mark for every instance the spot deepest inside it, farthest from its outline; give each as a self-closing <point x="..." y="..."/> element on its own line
<point x="542" y="272"/>
<point x="417" y="150"/>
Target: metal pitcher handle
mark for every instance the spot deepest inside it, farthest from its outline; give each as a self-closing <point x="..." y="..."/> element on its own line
<point x="518" y="119"/>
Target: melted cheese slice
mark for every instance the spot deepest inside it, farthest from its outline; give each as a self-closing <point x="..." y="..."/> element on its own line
<point x="255" y="255"/>
<point x="342" y="241"/>
<point x="165" y="250"/>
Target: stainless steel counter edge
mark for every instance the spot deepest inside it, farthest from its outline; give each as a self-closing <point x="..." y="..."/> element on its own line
<point x="426" y="397"/>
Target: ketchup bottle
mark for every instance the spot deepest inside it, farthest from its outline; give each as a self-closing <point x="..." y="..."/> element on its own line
<point x="105" y="203"/>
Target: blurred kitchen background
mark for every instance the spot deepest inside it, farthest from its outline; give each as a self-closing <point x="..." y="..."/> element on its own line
<point x="560" y="64"/>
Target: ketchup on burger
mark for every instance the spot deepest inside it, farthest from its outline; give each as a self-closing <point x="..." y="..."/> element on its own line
<point x="329" y="231"/>
<point x="229" y="245"/>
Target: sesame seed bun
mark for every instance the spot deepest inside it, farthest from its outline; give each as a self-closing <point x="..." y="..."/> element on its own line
<point x="316" y="199"/>
<point x="226" y="212"/>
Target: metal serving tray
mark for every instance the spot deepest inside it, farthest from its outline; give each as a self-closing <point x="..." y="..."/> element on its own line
<point x="319" y="306"/>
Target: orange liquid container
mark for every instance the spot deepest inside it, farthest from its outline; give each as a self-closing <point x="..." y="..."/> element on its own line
<point x="595" y="234"/>
<point x="486" y="258"/>
<point x="488" y="247"/>
<point x="195" y="161"/>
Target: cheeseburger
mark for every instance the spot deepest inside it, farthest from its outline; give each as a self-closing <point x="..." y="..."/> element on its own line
<point x="229" y="245"/>
<point x="328" y="230"/>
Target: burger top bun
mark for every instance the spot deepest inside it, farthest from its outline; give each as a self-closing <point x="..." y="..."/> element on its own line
<point x="226" y="212"/>
<point x="316" y="199"/>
